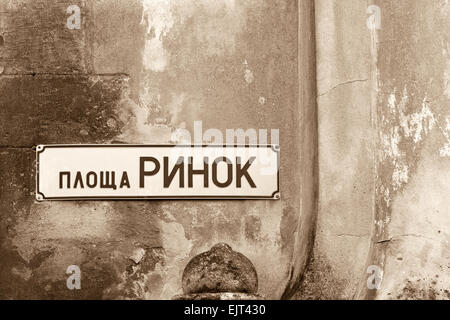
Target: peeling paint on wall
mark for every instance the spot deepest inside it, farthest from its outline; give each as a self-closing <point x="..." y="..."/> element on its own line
<point x="136" y="72"/>
<point x="157" y="15"/>
<point x="445" y="150"/>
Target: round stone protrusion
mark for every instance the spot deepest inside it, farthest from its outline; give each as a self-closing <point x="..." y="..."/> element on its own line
<point x="220" y="270"/>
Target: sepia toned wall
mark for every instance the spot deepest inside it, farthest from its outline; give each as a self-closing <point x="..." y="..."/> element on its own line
<point x="138" y="71"/>
<point x="383" y="104"/>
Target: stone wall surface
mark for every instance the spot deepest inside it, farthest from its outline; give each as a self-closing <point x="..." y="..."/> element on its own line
<point x="136" y="71"/>
<point x="139" y="71"/>
<point x="383" y="104"/>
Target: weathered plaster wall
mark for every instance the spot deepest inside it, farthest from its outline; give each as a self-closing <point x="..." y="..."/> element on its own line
<point x="383" y="147"/>
<point x="346" y="145"/>
<point x="413" y="167"/>
<point x="136" y="72"/>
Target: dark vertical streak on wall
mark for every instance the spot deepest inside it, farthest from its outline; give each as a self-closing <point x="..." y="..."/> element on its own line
<point x="309" y="170"/>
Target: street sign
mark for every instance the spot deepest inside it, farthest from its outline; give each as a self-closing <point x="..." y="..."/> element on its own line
<point x="121" y="171"/>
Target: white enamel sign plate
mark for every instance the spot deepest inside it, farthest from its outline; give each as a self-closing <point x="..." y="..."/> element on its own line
<point x="71" y="172"/>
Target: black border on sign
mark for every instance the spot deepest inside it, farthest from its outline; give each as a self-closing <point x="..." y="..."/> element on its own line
<point x="274" y="196"/>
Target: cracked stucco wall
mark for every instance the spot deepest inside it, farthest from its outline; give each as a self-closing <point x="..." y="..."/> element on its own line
<point x="383" y="147"/>
<point x="135" y="72"/>
<point x="412" y="203"/>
